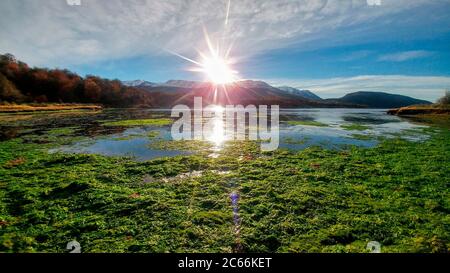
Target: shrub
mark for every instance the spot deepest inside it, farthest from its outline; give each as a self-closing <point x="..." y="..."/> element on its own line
<point x="445" y="100"/>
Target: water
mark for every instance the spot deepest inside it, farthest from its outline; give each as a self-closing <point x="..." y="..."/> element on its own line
<point x="334" y="135"/>
<point x="130" y="143"/>
<point x="135" y="142"/>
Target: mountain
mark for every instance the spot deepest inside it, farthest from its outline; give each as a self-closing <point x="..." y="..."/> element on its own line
<point x="196" y="84"/>
<point x="242" y="92"/>
<point x="137" y="83"/>
<point x="303" y="93"/>
<point x="254" y="84"/>
<point x="185" y="84"/>
<point x="378" y="100"/>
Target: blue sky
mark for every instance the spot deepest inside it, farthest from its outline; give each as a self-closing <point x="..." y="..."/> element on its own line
<point x="329" y="46"/>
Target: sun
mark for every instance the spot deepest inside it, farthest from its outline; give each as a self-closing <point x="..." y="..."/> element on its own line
<point x="215" y="62"/>
<point x="218" y="70"/>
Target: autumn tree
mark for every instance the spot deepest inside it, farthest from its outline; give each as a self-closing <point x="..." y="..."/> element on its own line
<point x="92" y="91"/>
<point x="8" y="91"/>
<point x="22" y="83"/>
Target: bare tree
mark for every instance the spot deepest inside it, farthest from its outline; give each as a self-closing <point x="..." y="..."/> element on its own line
<point x="445" y="100"/>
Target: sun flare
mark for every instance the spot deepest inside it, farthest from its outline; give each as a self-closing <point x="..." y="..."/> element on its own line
<point x="217" y="70"/>
<point x="214" y="60"/>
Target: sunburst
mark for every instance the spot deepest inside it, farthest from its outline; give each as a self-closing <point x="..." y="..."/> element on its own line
<point x="216" y="64"/>
<point x="217" y="69"/>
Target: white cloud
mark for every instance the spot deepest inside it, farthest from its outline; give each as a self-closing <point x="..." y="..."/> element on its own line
<point x="405" y="56"/>
<point x="422" y="87"/>
<point x="53" y="33"/>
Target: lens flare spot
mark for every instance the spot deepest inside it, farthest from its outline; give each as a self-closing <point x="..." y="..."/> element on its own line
<point x="218" y="70"/>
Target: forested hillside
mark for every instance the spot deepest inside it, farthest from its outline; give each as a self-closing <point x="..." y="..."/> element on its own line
<point x="21" y="83"/>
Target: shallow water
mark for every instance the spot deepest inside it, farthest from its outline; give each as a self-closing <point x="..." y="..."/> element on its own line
<point x="120" y="145"/>
<point x="136" y="142"/>
<point x="335" y="136"/>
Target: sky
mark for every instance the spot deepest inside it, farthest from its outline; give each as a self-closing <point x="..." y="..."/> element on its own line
<point x="331" y="47"/>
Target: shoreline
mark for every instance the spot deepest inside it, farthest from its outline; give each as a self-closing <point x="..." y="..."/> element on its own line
<point x="19" y="108"/>
<point x="418" y="110"/>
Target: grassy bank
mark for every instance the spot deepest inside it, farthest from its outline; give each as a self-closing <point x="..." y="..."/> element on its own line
<point x="19" y="108"/>
<point x="315" y="200"/>
<point x="421" y="110"/>
<point x="433" y="114"/>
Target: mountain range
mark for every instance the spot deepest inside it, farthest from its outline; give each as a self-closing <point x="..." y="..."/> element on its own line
<point x="139" y="83"/>
<point x="247" y="92"/>
<point x="302" y="93"/>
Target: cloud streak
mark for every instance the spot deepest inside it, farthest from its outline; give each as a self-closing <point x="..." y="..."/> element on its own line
<point x="405" y="56"/>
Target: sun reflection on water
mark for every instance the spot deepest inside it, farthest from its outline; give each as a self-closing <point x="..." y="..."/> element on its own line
<point x="217" y="133"/>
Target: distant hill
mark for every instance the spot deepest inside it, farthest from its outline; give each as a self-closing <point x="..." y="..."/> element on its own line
<point x="379" y="100"/>
<point x="302" y="93"/>
<point x="185" y="84"/>
<point x="138" y="83"/>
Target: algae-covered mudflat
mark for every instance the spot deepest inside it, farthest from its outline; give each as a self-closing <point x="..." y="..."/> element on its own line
<point x="115" y="182"/>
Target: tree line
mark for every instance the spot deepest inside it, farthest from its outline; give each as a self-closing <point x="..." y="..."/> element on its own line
<point x="21" y="84"/>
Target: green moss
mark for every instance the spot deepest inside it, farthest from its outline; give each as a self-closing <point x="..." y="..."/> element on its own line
<point x="62" y="131"/>
<point x="153" y="134"/>
<point x="140" y="122"/>
<point x="290" y="140"/>
<point x="315" y="200"/>
<point x="306" y="123"/>
<point x="355" y="127"/>
<point x="181" y="145"/>
<point x="362" y="137"/>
